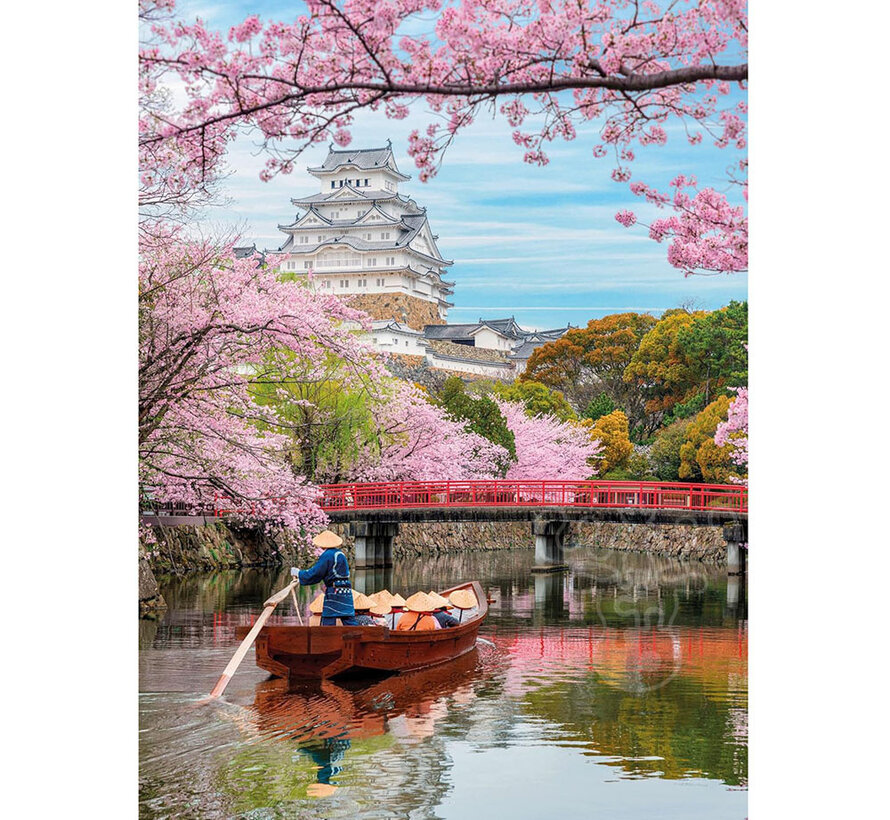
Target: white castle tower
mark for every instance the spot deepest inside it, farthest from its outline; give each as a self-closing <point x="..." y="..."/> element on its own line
<point x="361" y="238"/>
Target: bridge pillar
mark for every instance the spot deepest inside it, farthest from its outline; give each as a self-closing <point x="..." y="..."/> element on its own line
<point x="549" y="545"/>
<point x="373" y="542"/>
<point x="736" y="535"/>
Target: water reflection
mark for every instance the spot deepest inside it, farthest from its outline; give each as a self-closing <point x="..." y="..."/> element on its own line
<point x="625" y="670"/>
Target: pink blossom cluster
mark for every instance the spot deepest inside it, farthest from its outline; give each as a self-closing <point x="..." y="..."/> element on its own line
<point x="547" y="448"/>
<point x="734" y="430"/>
<point x="418" y="441"/>
<point x="706" y="234"/>
<point x="210" y="326"/>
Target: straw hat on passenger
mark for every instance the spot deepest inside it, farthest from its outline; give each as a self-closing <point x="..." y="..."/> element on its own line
<point x="382" y="598"/>
<point x="421" y="602"/>
<point x="317" y="605"/>
<point x="326" y="539"/>
<point x="380" y="609"/>
<point x="440" y="601"/>
<point x="361" y="601"/>
<point x="397" y="601"/>
<point x="463" y="599"/>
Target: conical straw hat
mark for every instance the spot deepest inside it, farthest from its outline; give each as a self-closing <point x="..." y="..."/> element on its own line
<point x="382" y="597"/>
<point x="421" y="602"/>
<point x="440" y="601"/>
<point x="397" y="600"/>
<point x="317" y="605"/>
<point x="326" y="539"/>
<point x="463" y="599"/>
<point x="361" y="601"/>
<point x="380" y="609"/>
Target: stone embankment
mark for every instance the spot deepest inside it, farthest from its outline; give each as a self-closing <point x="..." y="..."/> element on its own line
<point x="218" y="546"/>
<point x="674" y="540"/>
<point x="185" y="549"/>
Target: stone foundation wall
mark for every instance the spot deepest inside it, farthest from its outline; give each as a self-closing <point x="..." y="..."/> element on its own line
<point x="218" y="546"/>
<point x="674" y="540"/>
<point x="410" y="310"/>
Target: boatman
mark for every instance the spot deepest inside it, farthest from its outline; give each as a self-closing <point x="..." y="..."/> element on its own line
<point x="332" y="568"/>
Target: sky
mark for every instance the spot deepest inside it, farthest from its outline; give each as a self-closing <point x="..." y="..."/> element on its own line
<point x="537" y="243"/>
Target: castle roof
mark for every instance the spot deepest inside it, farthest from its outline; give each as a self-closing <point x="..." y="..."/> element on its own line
<point x="365" y="159"/>
<point x="398" y="327"/>
<point x="355" y="195"/>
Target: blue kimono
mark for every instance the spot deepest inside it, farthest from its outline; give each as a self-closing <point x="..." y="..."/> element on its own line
<point x="332" y="568"/>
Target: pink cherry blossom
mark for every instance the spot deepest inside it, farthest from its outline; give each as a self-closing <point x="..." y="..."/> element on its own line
<point x="632" y="68"/>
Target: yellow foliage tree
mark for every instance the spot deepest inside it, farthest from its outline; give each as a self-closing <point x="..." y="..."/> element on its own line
<point x="612" y="432"/>
<point x="700" y="458"/>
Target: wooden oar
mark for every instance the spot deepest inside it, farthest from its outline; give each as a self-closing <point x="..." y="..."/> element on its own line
<point x="296" y="606"/>
<point x="268" y="608"/>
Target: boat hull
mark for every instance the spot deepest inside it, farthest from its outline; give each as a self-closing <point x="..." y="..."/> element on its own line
<point x="332" y="651"/>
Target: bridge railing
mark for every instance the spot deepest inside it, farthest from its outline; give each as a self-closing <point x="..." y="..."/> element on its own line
<point x="621" y="494"/>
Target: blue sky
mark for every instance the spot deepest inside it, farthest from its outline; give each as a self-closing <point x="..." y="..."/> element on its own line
<point x="538" y="243"/>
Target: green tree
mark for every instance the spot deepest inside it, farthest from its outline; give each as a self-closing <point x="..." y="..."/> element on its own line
<point x="328" y="423"/>
<point x="664" y="454"/>
<point x="600" y="406"/>
<point x="715" y="345"/>
<point x="481" y="414"/>
<point x="538" y="399"/>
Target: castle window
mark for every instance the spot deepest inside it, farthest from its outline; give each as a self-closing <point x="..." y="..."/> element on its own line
<point x="363" y="283"/>
<point x="344" y="283"/>
<point x="367" y="183"/>
<point x="371" y="262"/>
<point x="307" y="265"/>
<point x="390" y="260"/>
<point x="384" y="235"/>
<point x="333" y="184"/>
<point x="304" y="240"/>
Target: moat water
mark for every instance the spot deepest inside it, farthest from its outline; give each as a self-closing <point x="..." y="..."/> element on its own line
<point x="616" y="689"/>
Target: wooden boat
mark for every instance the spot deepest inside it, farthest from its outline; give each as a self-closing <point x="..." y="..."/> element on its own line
<point x="330" y="651"/>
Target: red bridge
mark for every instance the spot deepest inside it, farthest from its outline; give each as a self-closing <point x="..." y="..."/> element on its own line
<point x="374" y="511"/>
<point x="339" y="499"/>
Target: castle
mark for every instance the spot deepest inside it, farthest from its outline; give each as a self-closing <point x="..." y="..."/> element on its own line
<point x="360" y="237"/>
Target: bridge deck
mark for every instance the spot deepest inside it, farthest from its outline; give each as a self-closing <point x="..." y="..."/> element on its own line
<point x="623" y="515"/>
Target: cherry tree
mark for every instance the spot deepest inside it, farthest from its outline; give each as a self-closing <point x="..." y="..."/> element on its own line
<point x="547" y="448"/>
<point x="211" y="325"/>
<point x="547" y="66"/>
<point x="418" y="441"/>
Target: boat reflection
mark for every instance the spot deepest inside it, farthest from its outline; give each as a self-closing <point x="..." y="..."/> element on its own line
<point x="325" y="717"/>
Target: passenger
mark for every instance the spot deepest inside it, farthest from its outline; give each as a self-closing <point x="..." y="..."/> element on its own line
<point x="419" y="615"/>
<point x="463" y="599"/>
<point x="365" y="606"/>
<point x="332" y="568"/>
<point x="396" y="608"/>
<point x="445" y="619"/>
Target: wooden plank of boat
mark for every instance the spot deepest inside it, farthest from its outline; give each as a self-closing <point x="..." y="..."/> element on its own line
<point x="328" y="651"/>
